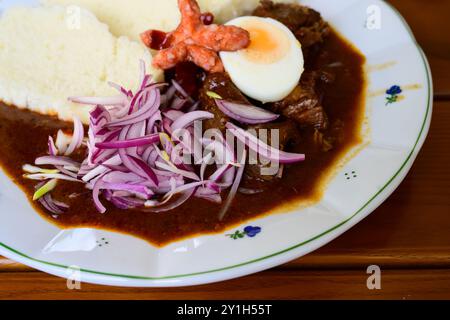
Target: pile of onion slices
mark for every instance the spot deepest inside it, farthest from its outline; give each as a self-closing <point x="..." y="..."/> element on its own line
<point x="137" y="147"/>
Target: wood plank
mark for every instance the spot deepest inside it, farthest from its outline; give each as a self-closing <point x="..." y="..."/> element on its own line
<point x="7" y="265"/>
<point x="429" y="20"/>
<point x="404" y="284"/>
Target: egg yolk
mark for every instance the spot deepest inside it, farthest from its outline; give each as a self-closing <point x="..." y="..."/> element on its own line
<point x="268" y="44"/>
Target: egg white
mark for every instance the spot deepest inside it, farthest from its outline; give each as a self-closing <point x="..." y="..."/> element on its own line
<point x="265" y="81"/>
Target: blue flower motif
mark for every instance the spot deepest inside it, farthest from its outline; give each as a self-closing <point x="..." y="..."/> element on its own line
<point x="252" y="231"/>
<point x="393" y="94"/>
<point x="394" y="90"/>
<point x="248" y="231"/>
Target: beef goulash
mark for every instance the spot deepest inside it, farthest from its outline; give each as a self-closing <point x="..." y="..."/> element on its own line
<point x="276" y="68"/>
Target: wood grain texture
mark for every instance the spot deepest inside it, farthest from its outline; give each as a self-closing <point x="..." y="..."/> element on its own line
<point x="429" y="22"/>
<point x="408" y="236"/>
<point x="274" y="284"/>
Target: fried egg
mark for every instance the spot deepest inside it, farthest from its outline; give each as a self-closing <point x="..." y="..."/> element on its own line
<point x="271" y="67"/>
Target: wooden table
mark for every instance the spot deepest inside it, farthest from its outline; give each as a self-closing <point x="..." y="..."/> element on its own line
<point x="408" y="236"/>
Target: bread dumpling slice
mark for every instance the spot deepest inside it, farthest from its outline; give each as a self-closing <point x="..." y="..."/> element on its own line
<point x="50" y="53"/>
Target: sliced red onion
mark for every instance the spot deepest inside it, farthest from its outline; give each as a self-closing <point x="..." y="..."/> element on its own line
<point x="99" y="117"/>
<point x="173" y="114"/>
<point x="117" y="168"/>
<point x="145" y="170"/>
<point x="136" y="130"/>
<point x="227" y="178"/>
<point x="124" y="203"/>
<point x="85" y="168"/>
<point x="194" y="107"/>
<point x="122" y="177"/>
<point x="56" y="161"/>
<point x="223" y="141"/>
<point x="33" y="169"/>
<point x="186" y="141"/>
<point x="263" y="149"/>
<point x="115" y="161"/>
<point x="52" y="205"/>
<point x="137" y="100"/>
<point x="178" y="103"/>
<point x="206" y="194"/>
<point x="167" y="125"/>
<point x="184" y="188"/>
<point x="184" y="173"/>
<point x="97" y="112"/>
<point x="136" y="142"/>
<point x="59" y="204"/>
<point x="204" y="191"/>
<point x="97" y="171"/>
<point x="111" y="136"/>
<point x="205" y="162"/>
<point x="119" y="88"/>
<point x="97" y="155"/>
<point x="147" y="95"/>
<point x="146" y="154"/>
<point x="216" y="176"/>
<point x="106" y="101"/>
<point x="222" y="154"/>
<point x="77" y="137"/>
<point x="167" y="97"/>
<point x="157" y="208"/>
<point x="142" y="114"/>
<point x="146" y="80"/>
<point x="157" y="117"/>
<point x="250" y="191"/>
<point x="142" y="71"/>
<point x="103" y="155"/>
<point x="121" y="111"/>
<point x="189" y="118"/>
<point x="52" y="150"/>
<point x="280" y="172"/>
<point x="213" y="187"/>
<point x="139" y="190"/>
<point x="181" y="90"/>
<point x="71" y="173"/>
<point x="46" y="176"/>
<point x="245" y="113"/>
<point x="96" y="195"/>
<point x="234" y="187"/>
<point x="62" y="141"/>
<point x="168" y="184"/>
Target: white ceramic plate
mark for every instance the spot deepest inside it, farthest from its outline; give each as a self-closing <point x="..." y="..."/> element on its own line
<point x="397" y="132"/>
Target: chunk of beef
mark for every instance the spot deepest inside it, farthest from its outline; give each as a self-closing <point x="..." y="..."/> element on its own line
<point x="306" y="23"/>
<point x="253" y="179"/>
<point x="304" y="105"/>
<point x="327" y="140"/>
<point x="221" y="84"/>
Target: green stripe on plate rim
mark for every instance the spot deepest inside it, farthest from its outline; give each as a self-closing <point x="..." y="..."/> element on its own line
<point x="290" y="248"/>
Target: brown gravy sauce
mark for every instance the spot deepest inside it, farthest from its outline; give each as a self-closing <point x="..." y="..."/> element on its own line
<point x="24" y="137"/>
